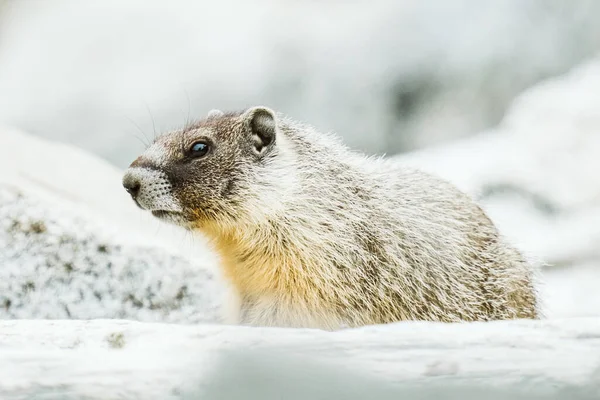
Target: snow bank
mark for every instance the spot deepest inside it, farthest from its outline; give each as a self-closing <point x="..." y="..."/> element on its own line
<point x="499" y="360"/>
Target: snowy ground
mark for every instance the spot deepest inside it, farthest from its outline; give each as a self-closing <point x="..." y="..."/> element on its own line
<point x="524" y="360"/>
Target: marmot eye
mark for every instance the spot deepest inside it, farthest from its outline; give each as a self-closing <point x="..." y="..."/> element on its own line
<point x="199" y="149"/>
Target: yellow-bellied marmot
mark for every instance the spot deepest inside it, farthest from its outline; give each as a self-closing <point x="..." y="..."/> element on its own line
<point x="311" y="234"/>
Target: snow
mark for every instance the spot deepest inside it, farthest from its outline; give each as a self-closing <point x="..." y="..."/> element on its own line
<point x="519" y="360"/>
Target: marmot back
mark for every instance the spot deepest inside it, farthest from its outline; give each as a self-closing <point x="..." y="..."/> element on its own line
<point x="311" y="234"/>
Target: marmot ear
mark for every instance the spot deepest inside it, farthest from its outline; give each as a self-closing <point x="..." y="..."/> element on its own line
<point x="262" y="124"/>
<point x="215" y="114"/>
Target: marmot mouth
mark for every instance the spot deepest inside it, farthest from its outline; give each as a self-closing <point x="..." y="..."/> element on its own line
<point x="164" y="213"/>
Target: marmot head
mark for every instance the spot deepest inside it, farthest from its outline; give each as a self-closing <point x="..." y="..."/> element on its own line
<point x="204" y="173"/>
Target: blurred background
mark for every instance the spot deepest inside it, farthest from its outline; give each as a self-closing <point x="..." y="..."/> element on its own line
<point x="502" y="97"/>
<point x="388" y="75"/>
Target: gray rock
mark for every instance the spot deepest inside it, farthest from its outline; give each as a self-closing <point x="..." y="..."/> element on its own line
<point x="57" y="265"/>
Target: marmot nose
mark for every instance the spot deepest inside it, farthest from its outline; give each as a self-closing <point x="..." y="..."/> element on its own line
<point x="132" y="184"/>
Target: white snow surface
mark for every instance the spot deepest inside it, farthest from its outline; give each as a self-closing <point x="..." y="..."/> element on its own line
<point x="501" y="360"/>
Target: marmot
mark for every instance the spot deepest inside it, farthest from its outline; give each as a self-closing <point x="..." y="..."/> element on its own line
<point x="312" y="234"/>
